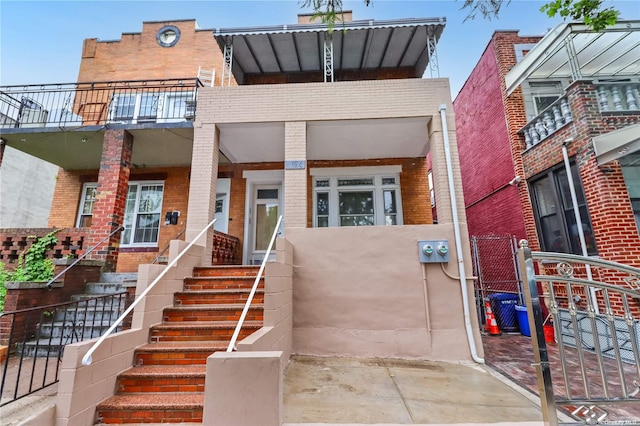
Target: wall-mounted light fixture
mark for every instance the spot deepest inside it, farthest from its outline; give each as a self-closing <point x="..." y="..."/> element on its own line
<point x="515" y="181"/>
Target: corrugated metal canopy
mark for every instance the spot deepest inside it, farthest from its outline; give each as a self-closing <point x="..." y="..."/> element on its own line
<point x="614" y="52"/>
<point x="358" y="45"/>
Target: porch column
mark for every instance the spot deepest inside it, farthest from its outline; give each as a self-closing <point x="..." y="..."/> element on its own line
<point x="111" y="196"/>
<point x="295" y="174"/>
<point x="439" y="167"/>
<point x="202" y="187"/>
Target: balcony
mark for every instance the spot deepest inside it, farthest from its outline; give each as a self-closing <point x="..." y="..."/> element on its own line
<point x="549" y="121"/>
<point x="618" y="97"/>
<point x="98" y="103"/>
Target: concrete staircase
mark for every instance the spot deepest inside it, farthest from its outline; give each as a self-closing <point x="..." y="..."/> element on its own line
<point x="86" y="319"/>
<point x="166" y="385"/>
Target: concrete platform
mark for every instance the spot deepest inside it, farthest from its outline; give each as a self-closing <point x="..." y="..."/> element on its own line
<point x="397" y="392"/>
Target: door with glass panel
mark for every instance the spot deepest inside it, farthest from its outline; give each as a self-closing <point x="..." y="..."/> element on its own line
<point x="267" y="207"/>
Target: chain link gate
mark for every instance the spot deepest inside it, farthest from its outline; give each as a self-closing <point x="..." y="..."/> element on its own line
<point x="495" y="265"/>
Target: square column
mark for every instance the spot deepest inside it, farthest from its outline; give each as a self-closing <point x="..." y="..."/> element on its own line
<point x="295" y="174"/>
<point x="111" y="196"/>
<point x="202" y="187"/>
<point x="439" y="167"/>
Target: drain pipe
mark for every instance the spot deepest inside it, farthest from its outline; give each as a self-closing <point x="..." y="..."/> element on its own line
<point x="578" y="218"/>
<point x="456" y="232"/>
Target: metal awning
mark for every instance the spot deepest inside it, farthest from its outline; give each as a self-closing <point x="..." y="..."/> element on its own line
<point x="572" y="50"/>
<point x="616" y="144"/>
<point x="357" y="45"/>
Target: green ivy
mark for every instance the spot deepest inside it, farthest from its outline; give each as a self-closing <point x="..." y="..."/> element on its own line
<point x="33" y="264"/>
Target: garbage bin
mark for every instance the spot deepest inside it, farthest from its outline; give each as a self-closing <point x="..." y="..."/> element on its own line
<point x="503" y="306"/>
<point x="523" y="320"/>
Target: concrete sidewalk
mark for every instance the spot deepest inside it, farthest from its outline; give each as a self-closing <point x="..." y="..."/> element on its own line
<point x="382" y="391"/>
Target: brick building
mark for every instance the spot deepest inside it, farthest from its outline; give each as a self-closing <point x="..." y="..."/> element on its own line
<point x="526" y="99"/>
<point x="329" y="130"/>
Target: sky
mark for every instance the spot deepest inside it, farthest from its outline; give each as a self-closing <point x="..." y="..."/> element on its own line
<point x="41" y="41"/>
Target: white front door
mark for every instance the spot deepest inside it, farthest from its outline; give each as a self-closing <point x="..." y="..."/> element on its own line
<point x="266" y="208"/>
<point x="222" y="205"/>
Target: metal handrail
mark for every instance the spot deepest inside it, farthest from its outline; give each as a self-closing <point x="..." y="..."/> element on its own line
<point x="167" y="247"/>
<point x="236" y="332"/>
<point x="48" y="285"/>
<point x="86" y="359"/>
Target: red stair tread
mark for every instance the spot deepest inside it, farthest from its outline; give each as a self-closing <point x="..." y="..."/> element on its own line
<point x="155" y="401"/>
<point x="213" y="345"/>
<point x="166" y="371"/>
<point x="212" y="306"/>
<point x="206" y="324"/>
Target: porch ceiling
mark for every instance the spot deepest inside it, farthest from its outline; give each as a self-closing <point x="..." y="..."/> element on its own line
<point x="611" y="52"/>
<point x="81" y="149"/>
<point x="358" y="45"/>
<point x="328" y="140"/>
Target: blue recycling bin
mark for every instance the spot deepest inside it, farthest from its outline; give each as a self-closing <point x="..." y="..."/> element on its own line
<point x="503" y="306"/>
<point x="523" y="320"/>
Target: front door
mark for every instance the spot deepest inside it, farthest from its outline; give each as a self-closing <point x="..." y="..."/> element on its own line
<point x="222" y="206"/>
<point x="266" y="208"/>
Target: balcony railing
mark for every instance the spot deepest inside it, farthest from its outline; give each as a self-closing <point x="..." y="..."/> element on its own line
<point x="549" y="121"/>
<point x="98" y="103"/>
<point x="618" y="97"/>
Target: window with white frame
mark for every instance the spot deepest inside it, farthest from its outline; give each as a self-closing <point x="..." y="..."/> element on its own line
<point x="85" y="212"/>
<point x="364" y="196"/>
<point x="150" y="107"/>
<point x="142" y="212"/>
<point x="544" y="94"/>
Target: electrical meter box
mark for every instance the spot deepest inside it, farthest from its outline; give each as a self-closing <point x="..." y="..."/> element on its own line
<point x="433" y="251"/>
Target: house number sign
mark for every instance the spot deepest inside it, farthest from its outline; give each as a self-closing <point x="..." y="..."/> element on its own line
<point x="295" y="164"/>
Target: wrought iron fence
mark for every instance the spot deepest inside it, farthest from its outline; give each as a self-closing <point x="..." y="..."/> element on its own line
<point x="595" y="373"/>
<point x="36" y="339"/>
<point x="98" y="103"/>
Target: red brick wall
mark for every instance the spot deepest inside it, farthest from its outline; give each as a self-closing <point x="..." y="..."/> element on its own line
<point x="413" y="180"/>
<point x="138" y="56"/>
<point x="607" y="198"/>
<point x="485" y="145"/>
<point x="345" y="75"/>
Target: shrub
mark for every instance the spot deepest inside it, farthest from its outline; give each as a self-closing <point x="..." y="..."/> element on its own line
<point x="33" y="264"/>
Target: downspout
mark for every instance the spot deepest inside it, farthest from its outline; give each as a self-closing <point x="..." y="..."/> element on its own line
<point x="456" y="232"/>
<point x="578" y="217"/>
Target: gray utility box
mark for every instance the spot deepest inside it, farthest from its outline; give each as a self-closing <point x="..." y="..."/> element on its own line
<point x="433" y="251"/>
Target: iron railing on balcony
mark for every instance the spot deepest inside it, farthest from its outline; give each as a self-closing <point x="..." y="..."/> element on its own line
<point x="552" y="119"/>
<point x="36" y="338"/>
<point x="98" y="103"/>
<point x="618" y="97"/>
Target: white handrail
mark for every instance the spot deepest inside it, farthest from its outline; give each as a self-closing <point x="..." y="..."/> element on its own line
<point x="236" y="332"/>
<point x="86" y="359"/>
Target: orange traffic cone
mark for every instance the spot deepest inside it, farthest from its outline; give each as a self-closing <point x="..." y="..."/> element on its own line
<point x="492" y="325"/>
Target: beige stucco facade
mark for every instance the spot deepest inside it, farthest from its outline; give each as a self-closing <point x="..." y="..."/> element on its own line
<point x="343" y="291"/>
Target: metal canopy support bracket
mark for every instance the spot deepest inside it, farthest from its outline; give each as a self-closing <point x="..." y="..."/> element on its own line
<point x="228" y="62"/>
<point x="328" y="58"/>
<point x="573" y="58"/>
<point x="434" y="68"/>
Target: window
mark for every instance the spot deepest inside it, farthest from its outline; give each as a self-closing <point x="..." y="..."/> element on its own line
<point x="86" y="205"/>
<point x="543" y="95"/>
<point x="631" y="171"/>
<point x="554" y="213"/>
<point x="142" y="211"/>
<point x="150" y="107"/>
<point x="142" y="214"/>
<point x="356" y="200"/>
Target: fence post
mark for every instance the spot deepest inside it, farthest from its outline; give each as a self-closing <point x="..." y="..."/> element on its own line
<point x="540" y="354"/>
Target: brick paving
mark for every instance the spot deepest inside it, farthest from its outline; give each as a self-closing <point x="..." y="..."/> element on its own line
<point x="512" y="355"/>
